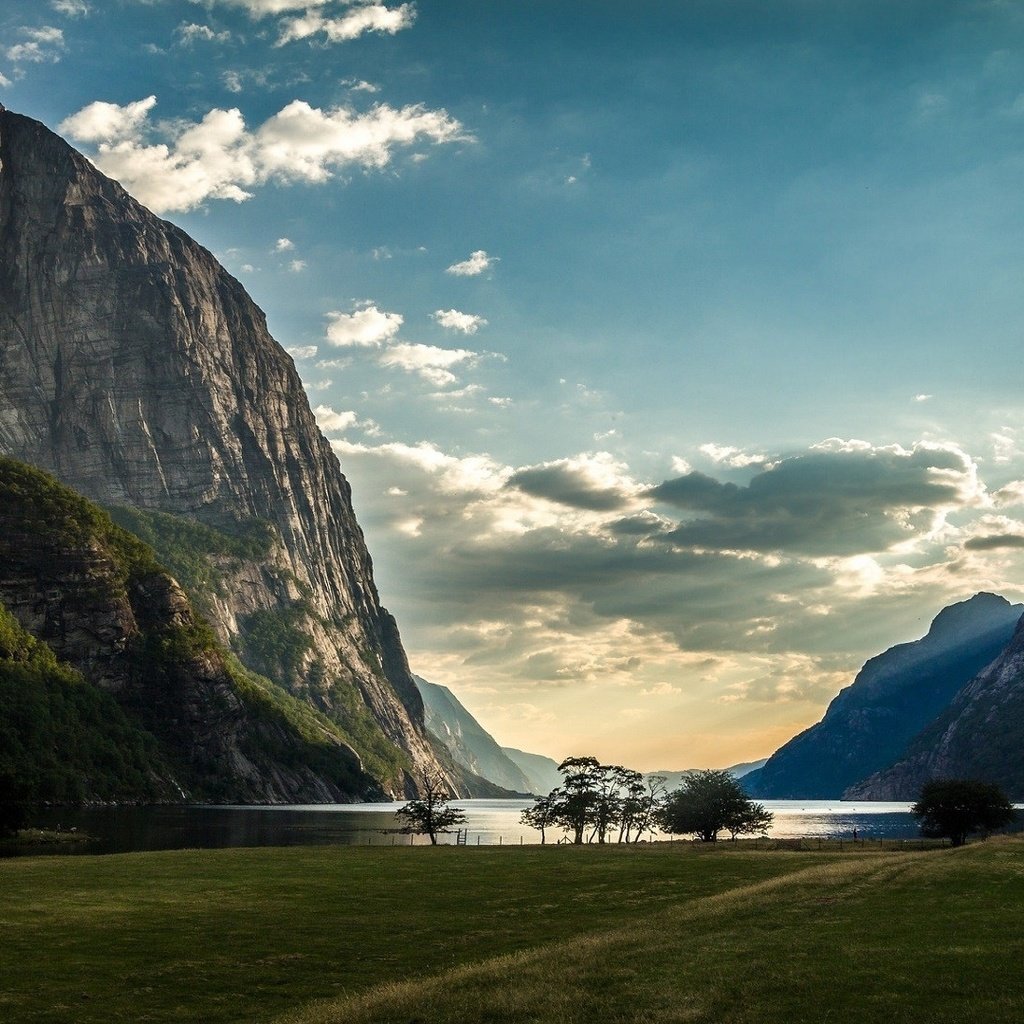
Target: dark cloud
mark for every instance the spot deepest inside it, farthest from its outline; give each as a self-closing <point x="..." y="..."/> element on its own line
<point x="992" y="541"/>
<point x="567" y="485"/>
<point x="644" y="524"/>
<point x="822" y="503"/>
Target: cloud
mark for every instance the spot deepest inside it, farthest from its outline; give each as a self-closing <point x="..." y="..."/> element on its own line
<point x="219" y="157"/>
<point x="332" y="422"/>
<point x="284" y="245"/>
<point x="594" y="482"/>
<point x="729" y="456"/>
<point x="104" y="122"/>
<point x="840" y="500"/>
<point x="476" y="264"/>
<point x="923" y="398"/>
<point x="453" y="320"/>
<point x="302" y="351"/>
<point x="297" y="266"/>
<point x="367" y="326"/>
<point x="5" y="81"/>
<point x="71" y="8"/>
<point x="995" y="541"/>
<point x="232" y="81"/>
<point x="358" y="20"/>
<point x="43" y="45"/>
<point x="189" y="33"/>
<point x="431" y="363"/>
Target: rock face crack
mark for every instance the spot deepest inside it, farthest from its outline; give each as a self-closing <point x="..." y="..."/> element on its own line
<point x="137" y="370"/>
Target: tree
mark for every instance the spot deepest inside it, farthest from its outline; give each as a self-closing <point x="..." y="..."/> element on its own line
<point x="752" y="820"/>
<point x="429" y="814"/>
<point x="542" y="814"/>
<point x="704" y="805"/>
<point x="956" y="808"/>
<point x="13" y="805"/>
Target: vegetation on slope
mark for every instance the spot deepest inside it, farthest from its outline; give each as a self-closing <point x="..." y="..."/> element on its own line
<point x="63" y="740"/>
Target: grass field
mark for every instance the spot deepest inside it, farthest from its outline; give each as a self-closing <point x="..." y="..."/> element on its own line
<point x="662" y="933"/>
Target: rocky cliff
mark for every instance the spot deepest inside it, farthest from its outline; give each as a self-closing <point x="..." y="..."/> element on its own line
<point x="895" y="695"/>
<point x="137" y="370"/>
<point x="191" y="722"/>
<point x="979" y="736"/>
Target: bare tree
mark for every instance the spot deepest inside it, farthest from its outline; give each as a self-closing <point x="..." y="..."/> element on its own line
<point x="429" y="813"/>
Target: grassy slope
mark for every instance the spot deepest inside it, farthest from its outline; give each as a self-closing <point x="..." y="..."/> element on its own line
<point x="656" y="934"/>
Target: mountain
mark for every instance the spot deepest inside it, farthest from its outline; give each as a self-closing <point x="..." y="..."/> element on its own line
<point x="894" y="696"/>
<point x="112" y="688"/>
<point x="137" y="370"/>
<point x="470" y="744"/>
<point x="542" y="772"/>
<point x="979" y="736"/>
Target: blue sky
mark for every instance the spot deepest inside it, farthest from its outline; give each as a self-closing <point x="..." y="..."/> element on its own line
<point x="726" y="400"/>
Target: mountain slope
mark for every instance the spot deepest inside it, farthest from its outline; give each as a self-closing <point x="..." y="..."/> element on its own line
<point x="470" y="744"/>
<point x="94" y="597"/>
<point x="138" y="371"/>
<point x="895" y="695"/>
<point x="979" y="736"/>
<point x="541" y="772"/>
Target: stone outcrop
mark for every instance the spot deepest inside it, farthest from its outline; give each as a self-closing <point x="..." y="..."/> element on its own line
<point x="895" y="695"/>
<point x="98" y="599"/>
<point x="137" y="370"/>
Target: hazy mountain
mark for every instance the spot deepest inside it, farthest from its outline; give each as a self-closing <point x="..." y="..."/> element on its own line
<point x="674" y="779"/>
<point x="113" y="689"/>
<point x="894" y="696"/>
<point x="470" y="744"/>
<point x="137" y="370"/>
<point x="542" y="772"/>
<point x="979" y="736"/>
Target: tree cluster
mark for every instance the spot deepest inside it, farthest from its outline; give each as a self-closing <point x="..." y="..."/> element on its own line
<point x="957" y="808"/>
<point x="610" y="803"/>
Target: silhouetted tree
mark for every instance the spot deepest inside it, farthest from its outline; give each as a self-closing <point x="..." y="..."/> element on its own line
<point x="957" y="808"/>
<point x="704" y="805"/>
<point x="542" y="814"/>
<point x="429" y="813"/>
<point x="752" y="820"/>
<point x="13" y="805"/>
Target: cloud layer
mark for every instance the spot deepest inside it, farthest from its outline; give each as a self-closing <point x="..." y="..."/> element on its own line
<point x="219" y="157"/>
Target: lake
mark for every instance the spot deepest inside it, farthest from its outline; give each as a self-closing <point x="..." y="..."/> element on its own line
<point x="489" y="823"/>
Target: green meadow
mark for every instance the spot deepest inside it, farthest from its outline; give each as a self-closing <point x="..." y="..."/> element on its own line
<point x="651" y="934"/>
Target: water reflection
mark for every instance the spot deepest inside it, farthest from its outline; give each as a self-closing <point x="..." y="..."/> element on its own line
<point x="489" y="823"/>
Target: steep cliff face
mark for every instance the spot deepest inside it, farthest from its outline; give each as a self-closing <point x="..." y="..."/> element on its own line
<point x="96" y="597"/>
<point x="895" y="695"/>
<point x="137" y="370"/>
<point x="979" y="736"/>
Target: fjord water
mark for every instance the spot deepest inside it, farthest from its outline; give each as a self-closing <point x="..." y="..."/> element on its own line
<point x="488" y="823"/>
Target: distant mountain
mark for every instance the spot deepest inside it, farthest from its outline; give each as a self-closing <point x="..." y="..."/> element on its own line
<point x="542" y="772"/>
<point x="979" y="736"/>
<point x="469" y="743"/>
<point x="894" y="696"/>
<point x="674" y="779"/>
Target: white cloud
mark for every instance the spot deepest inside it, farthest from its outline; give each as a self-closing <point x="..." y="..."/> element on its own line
<point x="232" y="81"/>
<point x="923" y="398"/>
<point x="320" y="385"/>
<point x="71" y="8"/>
<point x="4" y="81"/>
<point x="105" y="122"/>
<point x="284" y="244"/>
<point x="189" y="33"/>
<point x="367" y="326"/>
<point x="361" y="86"/>
<point x="334" y="422"/>
<point x="297" y="266"/>
<point x="428" y="361"/>
<point x="221" y="158"/>
<point x="44" y="44"/>
<point x="730" y="456"/>
<point x="453" y="320"/>
<point x="477" y="263"/>
<point x="261" y="8"/>
<point x="357" y="21"/>
<point x="302" y="351"/>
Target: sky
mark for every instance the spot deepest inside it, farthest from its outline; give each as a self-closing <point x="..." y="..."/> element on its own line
<point x="672" y="349"/>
